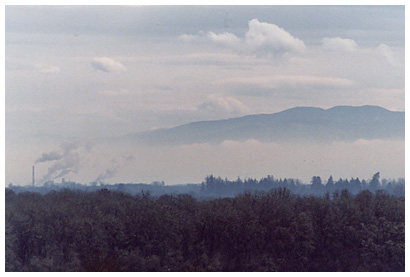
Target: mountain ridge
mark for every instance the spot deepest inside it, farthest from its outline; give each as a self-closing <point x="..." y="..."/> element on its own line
<point x="339" y="123"/>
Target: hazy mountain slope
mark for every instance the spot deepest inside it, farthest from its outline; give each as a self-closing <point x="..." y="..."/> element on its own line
<point x="341" y="123"/>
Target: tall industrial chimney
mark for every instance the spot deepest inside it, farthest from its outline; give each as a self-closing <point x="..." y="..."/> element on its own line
<point x="33" y="176"/>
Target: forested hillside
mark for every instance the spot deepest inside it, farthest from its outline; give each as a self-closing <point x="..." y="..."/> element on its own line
<point x="255" y="231"/>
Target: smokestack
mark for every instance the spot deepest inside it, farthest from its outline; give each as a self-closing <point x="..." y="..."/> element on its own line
<point x="33" y="176"/>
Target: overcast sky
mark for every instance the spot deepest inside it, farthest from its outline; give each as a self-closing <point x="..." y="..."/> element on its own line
<point x="102" y="71"/>
<point x="112" y="70"/>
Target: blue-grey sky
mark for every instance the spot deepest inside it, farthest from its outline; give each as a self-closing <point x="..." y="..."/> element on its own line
<point x="103" y="71"/>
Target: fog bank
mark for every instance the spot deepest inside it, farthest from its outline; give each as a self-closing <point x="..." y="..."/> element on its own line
<point x="114" y="162"/>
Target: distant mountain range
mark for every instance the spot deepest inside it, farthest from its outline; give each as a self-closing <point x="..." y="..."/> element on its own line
<point x="341" y="123"/>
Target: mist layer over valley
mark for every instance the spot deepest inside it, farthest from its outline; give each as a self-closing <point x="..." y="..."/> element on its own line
<point x="301" y="145"/>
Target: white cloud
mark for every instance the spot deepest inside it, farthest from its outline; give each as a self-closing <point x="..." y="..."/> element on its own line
<point x="292" y="81"/>
<point x="270" y="37"/>
<point x="23" y="65"/>
<point x="339" y="44"/>
<point x="226" y="39"/>
<point x="191" y="38"/>
<point x="107" y="65"/>
<point x="216" y="103"/>
<point x="230" y="60"/>
<point x="47" y="68"/>
<point x="261" y="37"/>
<point x="115" y="92"/>
<point x="388" y="53"/>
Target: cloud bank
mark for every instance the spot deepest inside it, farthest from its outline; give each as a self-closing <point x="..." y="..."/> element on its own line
<point x="43" y="68"/>
<point x="287" y="82"/>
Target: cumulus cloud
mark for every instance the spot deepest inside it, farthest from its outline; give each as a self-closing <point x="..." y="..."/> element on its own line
<point x="339" y="44"/>
<point x="217" y="103"/>
<point x="261" y="37"/>
<point x="192" y="38"/>
<point x="107" y="65"/>
<point x="225" y="39"/>
<point x="270" y="37"/>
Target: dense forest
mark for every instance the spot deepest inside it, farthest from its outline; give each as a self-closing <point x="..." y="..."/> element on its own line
<point x="275" y="230"/>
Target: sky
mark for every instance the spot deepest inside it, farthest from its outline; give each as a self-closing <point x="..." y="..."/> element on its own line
<point x="74" y="74"/>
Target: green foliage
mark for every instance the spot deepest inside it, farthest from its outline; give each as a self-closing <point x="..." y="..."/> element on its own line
<point x="254" y="231"/>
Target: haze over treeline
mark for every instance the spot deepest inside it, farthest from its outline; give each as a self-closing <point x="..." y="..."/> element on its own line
<point x="73" y="77"/>
<point x="342" y="141"/>
<point x="217" y="187"/>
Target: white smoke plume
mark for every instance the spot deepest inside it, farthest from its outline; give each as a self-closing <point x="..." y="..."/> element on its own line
<point x="65" y="150"/>
<point x="69" y="163"/>
<point x="109" y="172"/>
<point x="115" y="165"/>
<point x="65" y="160"/>
<point x="51" y="156"/>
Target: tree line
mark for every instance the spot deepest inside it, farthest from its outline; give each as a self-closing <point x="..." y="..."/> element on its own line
<point x="273" y="230"/>
<point x="216" y="187"/>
